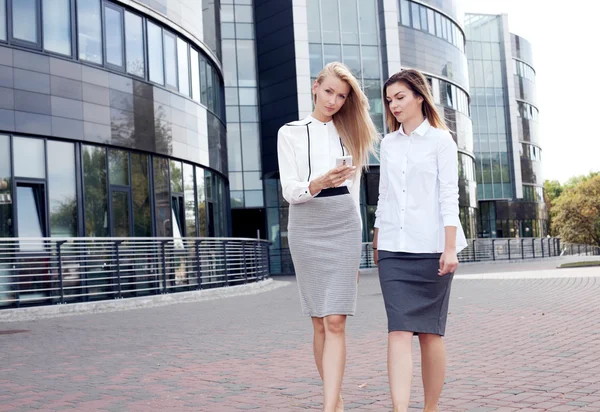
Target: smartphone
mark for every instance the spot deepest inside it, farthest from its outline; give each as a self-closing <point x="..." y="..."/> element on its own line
<point x="343" y="161"/>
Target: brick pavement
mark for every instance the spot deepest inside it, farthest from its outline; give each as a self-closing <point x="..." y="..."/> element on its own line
<point x="513" y="345"/>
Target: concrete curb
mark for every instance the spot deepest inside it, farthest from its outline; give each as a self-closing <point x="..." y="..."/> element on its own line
<point x="71" y="309"/>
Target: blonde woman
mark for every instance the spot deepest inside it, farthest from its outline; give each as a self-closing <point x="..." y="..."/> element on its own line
<point x="418" y="234"/>
<point x="324" y="225"/>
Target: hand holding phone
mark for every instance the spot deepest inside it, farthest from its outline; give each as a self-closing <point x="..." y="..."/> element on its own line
<point x="343" y="161"/>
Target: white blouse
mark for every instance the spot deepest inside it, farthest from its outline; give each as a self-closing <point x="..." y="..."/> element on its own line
<point x="418" y="191"/>
<point x="307" y="149"/>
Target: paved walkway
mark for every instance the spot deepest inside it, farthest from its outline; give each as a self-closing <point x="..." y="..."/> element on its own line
<point x="513" y="344"/>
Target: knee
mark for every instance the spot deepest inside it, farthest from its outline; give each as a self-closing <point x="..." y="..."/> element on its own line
<point x="319" y="326"/>
<point x="429" y="338"/>
<point x="335" y="324"/>
<point x="400" y="336"/>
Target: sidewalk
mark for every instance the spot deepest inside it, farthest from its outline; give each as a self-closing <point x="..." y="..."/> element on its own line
<point x="513" y="345"/>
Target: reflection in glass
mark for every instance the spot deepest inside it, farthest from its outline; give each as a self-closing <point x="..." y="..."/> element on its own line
<point x="237" y="198"/>
<point x="2" y="26"/>
<point x="195" y="75"/>
<point x="134" y="44"/>
<point x="367" y="10"/>
<point x="250" y="146"/>
<point x="6" y="227"/>
<point x="62" y="189"/>
<point x="29" y="157"/>
<point x="314" y="21"/>
<point x="120" y="211"/>
<point x="190" y="200"/>
<point x="161" y="197"/>
<point x="184" y="77"/>
<point x="95" y="188"/>
<point x="254" y="198"/>
<point x="118" y="163"/>
<point x="352" y="59"/>
<point x="57" y="26"/>
<point x="332" y="53"/>
<point x="155" y="53"/>
<point x="30" y="202"/>
<point x="201" y="201"/>
<point x="234" y="150"/>
<point x="176" y="177"/>
<point x="316" y="58"/>
<point x="90" y="31"/>
<point x="170" y="59"/>
<point x="405" y="12"/>
<point x="370" y="58"/>
<point x="24" y="16"/>
<point x="229" y="63"/>
<point x="330" y="14"/>
<point x="349" y="15"/>
<point x="211" y="19"/>
<point x="203" y="84"/>
<point x="247" y="70"/>
<point x="140" y="188"/>
<point x="113" y="32"/>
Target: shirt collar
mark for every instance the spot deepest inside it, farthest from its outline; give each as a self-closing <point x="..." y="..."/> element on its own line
<point x="420" y="131"/>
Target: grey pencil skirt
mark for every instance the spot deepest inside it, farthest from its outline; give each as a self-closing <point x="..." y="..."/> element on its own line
<point x="416" y="297"/>
<point x="324" y="236"/>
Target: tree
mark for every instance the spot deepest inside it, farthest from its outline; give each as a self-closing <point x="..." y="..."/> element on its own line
<point x="576" y="212"/>
<point x="552" y="190"/>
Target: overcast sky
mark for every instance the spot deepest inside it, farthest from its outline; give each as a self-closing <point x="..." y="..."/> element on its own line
<point x="565" y="38"/>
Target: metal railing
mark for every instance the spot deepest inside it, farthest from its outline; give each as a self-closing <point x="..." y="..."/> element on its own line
<point x="45" y="271"/>
<point x="507" y="249"/>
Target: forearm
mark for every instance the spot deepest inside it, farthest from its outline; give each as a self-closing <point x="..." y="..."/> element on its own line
<point x="450" y="242"/>
<point x="375" y="238"/>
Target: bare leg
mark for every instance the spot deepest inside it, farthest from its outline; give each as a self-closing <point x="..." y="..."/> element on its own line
<point x="433" y="366"/>
<point x="334" y="360"/>
<point x="318" y="346"/>
<point x="400" y="368"/>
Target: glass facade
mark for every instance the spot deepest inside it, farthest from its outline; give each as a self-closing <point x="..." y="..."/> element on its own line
<point x="114" y="37"/>
<point x="241" y="96"/>
<point x="118" y="190"/>
<point x="115" y="122"/>
<point x="501" y="213"/>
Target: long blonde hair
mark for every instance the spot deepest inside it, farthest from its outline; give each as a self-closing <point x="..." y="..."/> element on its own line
<point x="353" y="122"/>
<point x="418" y="84"/>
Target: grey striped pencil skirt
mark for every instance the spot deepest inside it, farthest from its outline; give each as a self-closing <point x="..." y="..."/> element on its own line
<point x="416" y="297"/>
<point x="325" y="240"/>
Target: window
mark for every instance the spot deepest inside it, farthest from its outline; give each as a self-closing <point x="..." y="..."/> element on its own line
<point x="246" y="71"/>
<point x="140" y="188"/>
<point x="189" y="199"/>
<point x="416" y="17"/>
<point x="61" y="189"/>
<point x="368" y="22"/>
<point x="314" y="21"/>
<point x="2" y="30"/>
<point x="118" y="163"/>
<point x="29" y="158"/>
<point x="113" y="34"/>
<point x="57" y="26"/>
<point x="405" y="12"/>
<point x="161" y="197"/>
<point x="438" y="24"/>
<point x="330" y="15"/>
<point x="25" y="20"/>
<point x="6" y="226"/>
<point x="95" y="191"/>
<point x="155" y="54"/>
<point x="203" y="81"/>
<point x="349" y="23"/>
<point x="195" y="71"/>
<point x="370" y="58"/>
<point x="184" y="76"/>
<point x="201" y="199"/>
<point x="423" y="18"/>
<point x="90" y="30"/>
<point x="170" y="59"/>
<point x="431" y="21"/>
<point x="134" y="44"/>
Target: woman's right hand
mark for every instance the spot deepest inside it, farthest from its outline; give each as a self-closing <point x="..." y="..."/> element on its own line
<point x="334" y="178"/>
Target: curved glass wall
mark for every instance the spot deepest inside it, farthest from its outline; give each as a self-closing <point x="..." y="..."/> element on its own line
<point x="120" y="193"/>
<point x="428" y="20"/>
<point x="117" y="38"/>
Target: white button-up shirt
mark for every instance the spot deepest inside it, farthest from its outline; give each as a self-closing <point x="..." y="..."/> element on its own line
<point x="418" y="191"/>
<point x="307" y="149"/>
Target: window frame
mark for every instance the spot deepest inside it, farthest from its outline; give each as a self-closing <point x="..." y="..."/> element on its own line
<point x="121" y="11"/>
<point x="38" y="44"/>
<point x="144" y="46"/>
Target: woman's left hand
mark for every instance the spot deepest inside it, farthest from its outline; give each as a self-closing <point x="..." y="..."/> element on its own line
<point x="448" y="262"/>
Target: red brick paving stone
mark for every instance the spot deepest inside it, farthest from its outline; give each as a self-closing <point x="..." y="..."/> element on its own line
<point x="255" y="352"/>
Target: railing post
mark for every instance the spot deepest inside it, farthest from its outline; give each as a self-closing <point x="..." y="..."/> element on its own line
<point x="533" y="247"/>
<point x="244" y="262"/>
<point x="226" y="263"/>
<point x="474" y="254"/>
<point x="578" y="249"/>
<point x="493" y="249"/>
<point x="508" y="249"/>
<point x="60" y="269"/>
<point x="586" y="249"/>
<point x="164" y="264"/>
<point x="118" y="258"/>
<point x="522" y="249"/>
<point x="198" y="271"/>
<point x="542" y="243"/>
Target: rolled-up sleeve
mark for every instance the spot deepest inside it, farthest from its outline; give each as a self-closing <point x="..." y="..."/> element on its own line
<point x="447" y="159"/>
<point x="294" y="189"/>
<point x="383" y="186"/>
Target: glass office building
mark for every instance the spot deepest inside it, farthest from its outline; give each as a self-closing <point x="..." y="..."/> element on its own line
<point x="507" y="142"/>
<point x="112" y="119"/>
<point x="292" y="40"/>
